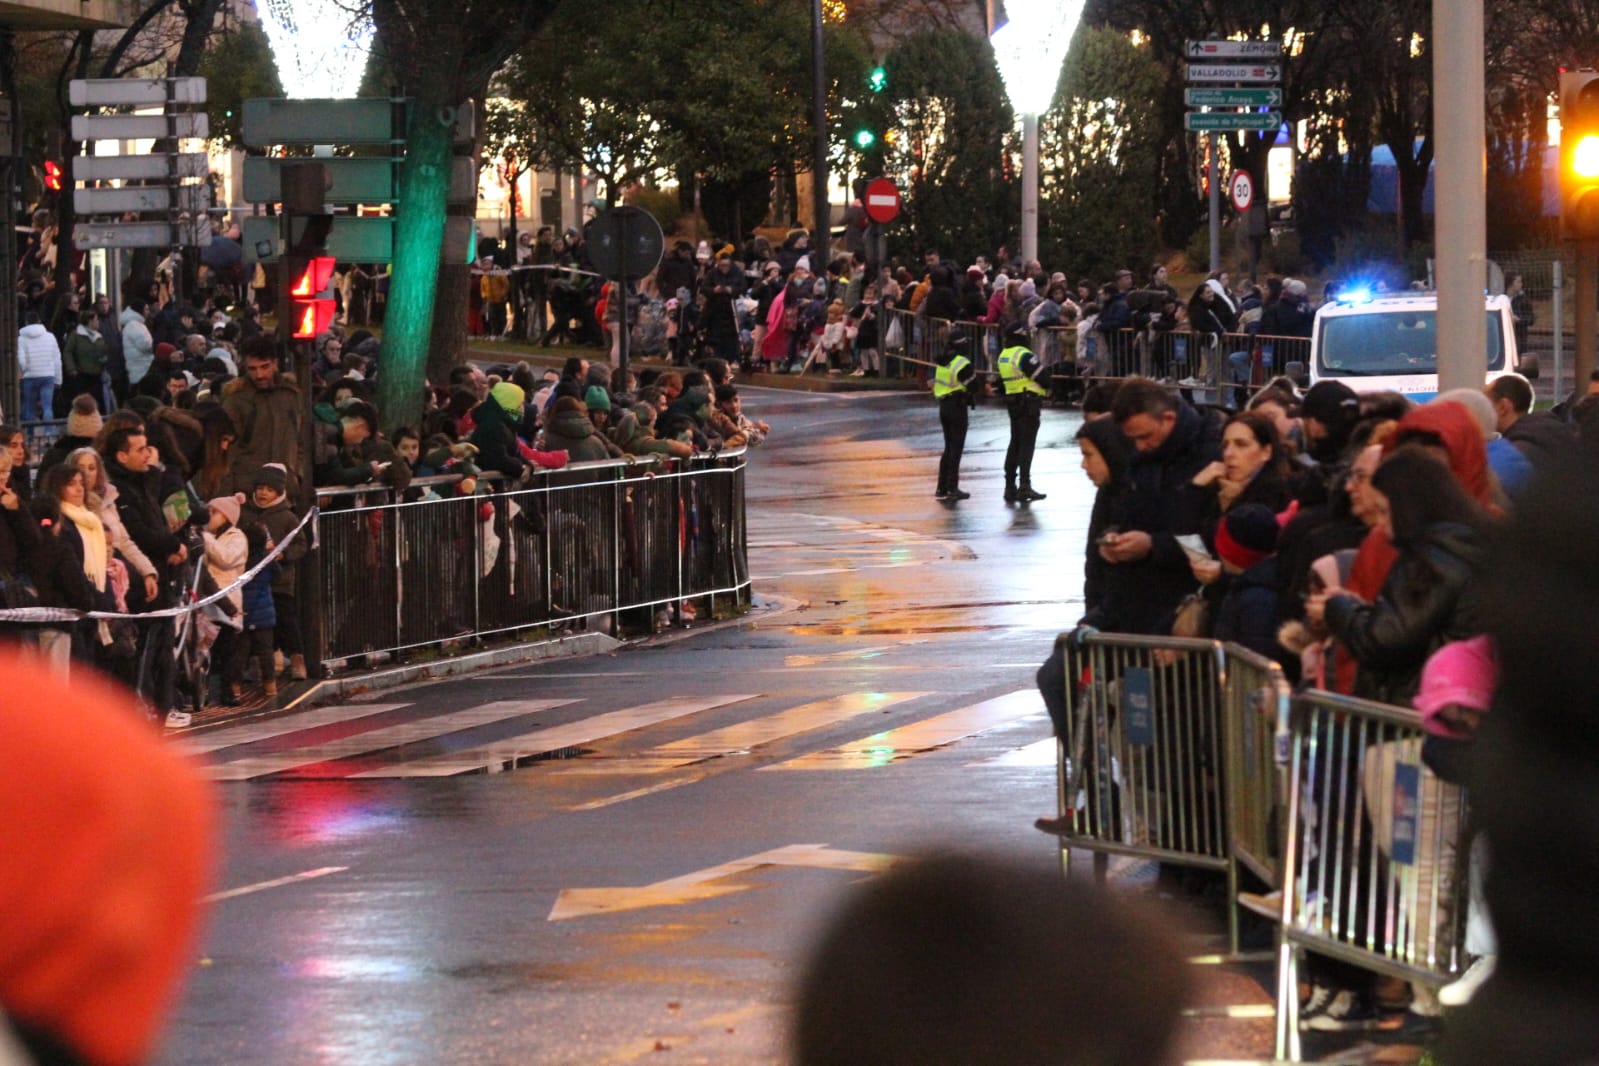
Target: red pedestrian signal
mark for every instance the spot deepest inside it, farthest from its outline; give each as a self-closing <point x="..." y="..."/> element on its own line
<point x="311" y="296"/>
<point x="52" y="175"/>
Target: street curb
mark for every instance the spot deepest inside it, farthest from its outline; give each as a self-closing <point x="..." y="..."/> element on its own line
<point x="579" y="644"/>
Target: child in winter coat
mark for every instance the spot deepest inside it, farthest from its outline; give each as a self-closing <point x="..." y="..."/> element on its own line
<point x="260" y="613"/>
<point x="225" y="554"/>
<point x="269" y="506"/>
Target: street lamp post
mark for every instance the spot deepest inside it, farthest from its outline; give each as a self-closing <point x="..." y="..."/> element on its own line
<point x="1029" y="50"/>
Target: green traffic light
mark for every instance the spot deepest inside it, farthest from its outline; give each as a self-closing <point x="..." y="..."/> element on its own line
<point x="878" y="79"/>
<point x="864" y="139"/>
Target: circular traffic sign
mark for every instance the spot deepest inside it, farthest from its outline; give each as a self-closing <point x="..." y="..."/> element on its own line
<point x="1243" y="190"/>
<point x="881" y="200"/>
<point x="625" y="242"/>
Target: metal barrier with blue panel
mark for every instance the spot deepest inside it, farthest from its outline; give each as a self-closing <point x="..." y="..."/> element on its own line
<point x="1376" y="852"/>
<point x="1142" y="761"/>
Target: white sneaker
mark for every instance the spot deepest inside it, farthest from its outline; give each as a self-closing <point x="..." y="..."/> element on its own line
<point x="179" y="719"/>
<point x="1191" y="383"/>
<point x="1343" y="1012"/>
<point x="857" y="373"/>
<point x="1459" y="992"/>
<point x="1267" y="905"/>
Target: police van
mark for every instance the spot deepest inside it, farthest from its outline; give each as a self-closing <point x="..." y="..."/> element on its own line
<point x="1389" y="343"/>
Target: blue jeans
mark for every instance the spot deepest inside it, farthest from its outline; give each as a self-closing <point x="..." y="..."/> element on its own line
<point x="1238" y="370"/>
<point x="38" y="399"/>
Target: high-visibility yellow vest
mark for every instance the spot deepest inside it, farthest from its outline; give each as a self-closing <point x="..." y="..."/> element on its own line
<point x="947" y="379"/>
<point x="1010" y="372"/>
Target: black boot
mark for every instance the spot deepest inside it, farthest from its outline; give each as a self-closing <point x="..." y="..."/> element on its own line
<point x="1027" y="494"/>
<point x="957" y="494"/>
<point x="1010" y="492"/>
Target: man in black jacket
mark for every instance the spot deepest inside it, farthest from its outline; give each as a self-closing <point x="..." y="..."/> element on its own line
<point x="129" y="463"/>
<point x="1172" y="442"/>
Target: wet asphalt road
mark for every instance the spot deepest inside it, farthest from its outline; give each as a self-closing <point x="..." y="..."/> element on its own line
<point x="877" y="703"/>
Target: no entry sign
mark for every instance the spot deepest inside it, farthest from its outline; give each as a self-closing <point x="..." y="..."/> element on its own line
<point x="882" y="200"/>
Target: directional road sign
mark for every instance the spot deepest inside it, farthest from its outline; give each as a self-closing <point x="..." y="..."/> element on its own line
<point x="1267" y="72"/>
<point x="142" y="234"/>
<point x="1233" y="97"/>
<point x="367" y="120"/>
<point x="1231" y="120"/>
<point x="134" y="92"/>
<point x="353" y="179"/>
<point x="140" y="167"/>
<point x="352" y="239"/>
<point x="141" y="198"/>
<point x="139" y="127"/>
<point x="1234" y="49"/>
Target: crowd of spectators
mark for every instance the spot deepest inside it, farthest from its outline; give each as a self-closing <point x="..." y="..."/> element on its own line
<point x="182" y="466"/>
<point x="1342" y="535"/>
<point x="785" y="310"/>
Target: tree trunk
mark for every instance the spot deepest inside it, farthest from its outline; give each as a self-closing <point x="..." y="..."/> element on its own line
<point x="418" y="243"/>
<point x="199" y="16"/>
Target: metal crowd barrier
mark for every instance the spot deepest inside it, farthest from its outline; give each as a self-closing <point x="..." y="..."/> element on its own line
<point x="1195" y="753"/>
<point x="1376" y="852"/>
<point x="1258" y="700"/>
<point x="1142" y="761"/>
<point x="588" y="541"/>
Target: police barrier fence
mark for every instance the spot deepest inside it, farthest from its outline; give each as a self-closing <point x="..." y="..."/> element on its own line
<point x="1375" y="855"/>
<point x="403" y="571"/>
<point x="1223" y="366"/>
<point x="1196" y="753"/>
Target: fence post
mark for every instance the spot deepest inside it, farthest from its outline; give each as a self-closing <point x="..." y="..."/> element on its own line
<point x="1557" y="313"/>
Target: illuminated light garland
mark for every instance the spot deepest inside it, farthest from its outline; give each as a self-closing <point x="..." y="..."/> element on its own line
<point x="1030" y="48"/>
<point x="321" y="49"/>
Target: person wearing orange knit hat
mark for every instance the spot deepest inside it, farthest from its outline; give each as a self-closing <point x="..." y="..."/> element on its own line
<point x="105" y="867"/>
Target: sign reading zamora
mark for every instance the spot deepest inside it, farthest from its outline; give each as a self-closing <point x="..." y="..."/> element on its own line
<point x="1251" y="72"/>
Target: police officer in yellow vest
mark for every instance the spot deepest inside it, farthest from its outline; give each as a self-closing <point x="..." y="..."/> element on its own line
<point x="954" y="386"/>
<point x="1019" y="370"/>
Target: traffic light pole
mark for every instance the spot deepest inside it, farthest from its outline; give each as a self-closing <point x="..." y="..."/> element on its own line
<point x="1582" y="362"/>
<point x="1461" y="202"/>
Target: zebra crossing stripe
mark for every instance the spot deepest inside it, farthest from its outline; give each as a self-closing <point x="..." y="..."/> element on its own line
<point x="918" y="738"/>
<point x="1038" y="753"/>
<point x="280" y="727"/>
<point x="508" y="753"/>
<point x="744" y="737"/>
<point x="381" y="739"/>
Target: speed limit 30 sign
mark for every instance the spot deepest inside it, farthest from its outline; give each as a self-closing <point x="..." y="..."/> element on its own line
<point x="1242" y="188"/>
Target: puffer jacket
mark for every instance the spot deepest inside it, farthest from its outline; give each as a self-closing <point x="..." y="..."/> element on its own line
<point x="494" y="435"/>
<point x="138" y="346"/>
<point x="635" y="438"/>
<point x="1428" y="600"/>
<point x="225" y="554"/>
<point x="38" y="354"/>
<point x="573" y="433"/>
<point x="260" y="609"/>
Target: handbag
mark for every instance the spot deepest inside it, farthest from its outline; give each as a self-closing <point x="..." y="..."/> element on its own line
<point x="17" y="592"/>
<point x="1193" y="617"/>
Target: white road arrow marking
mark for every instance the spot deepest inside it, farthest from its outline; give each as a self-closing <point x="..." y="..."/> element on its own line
<point x="701" y="884"/>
